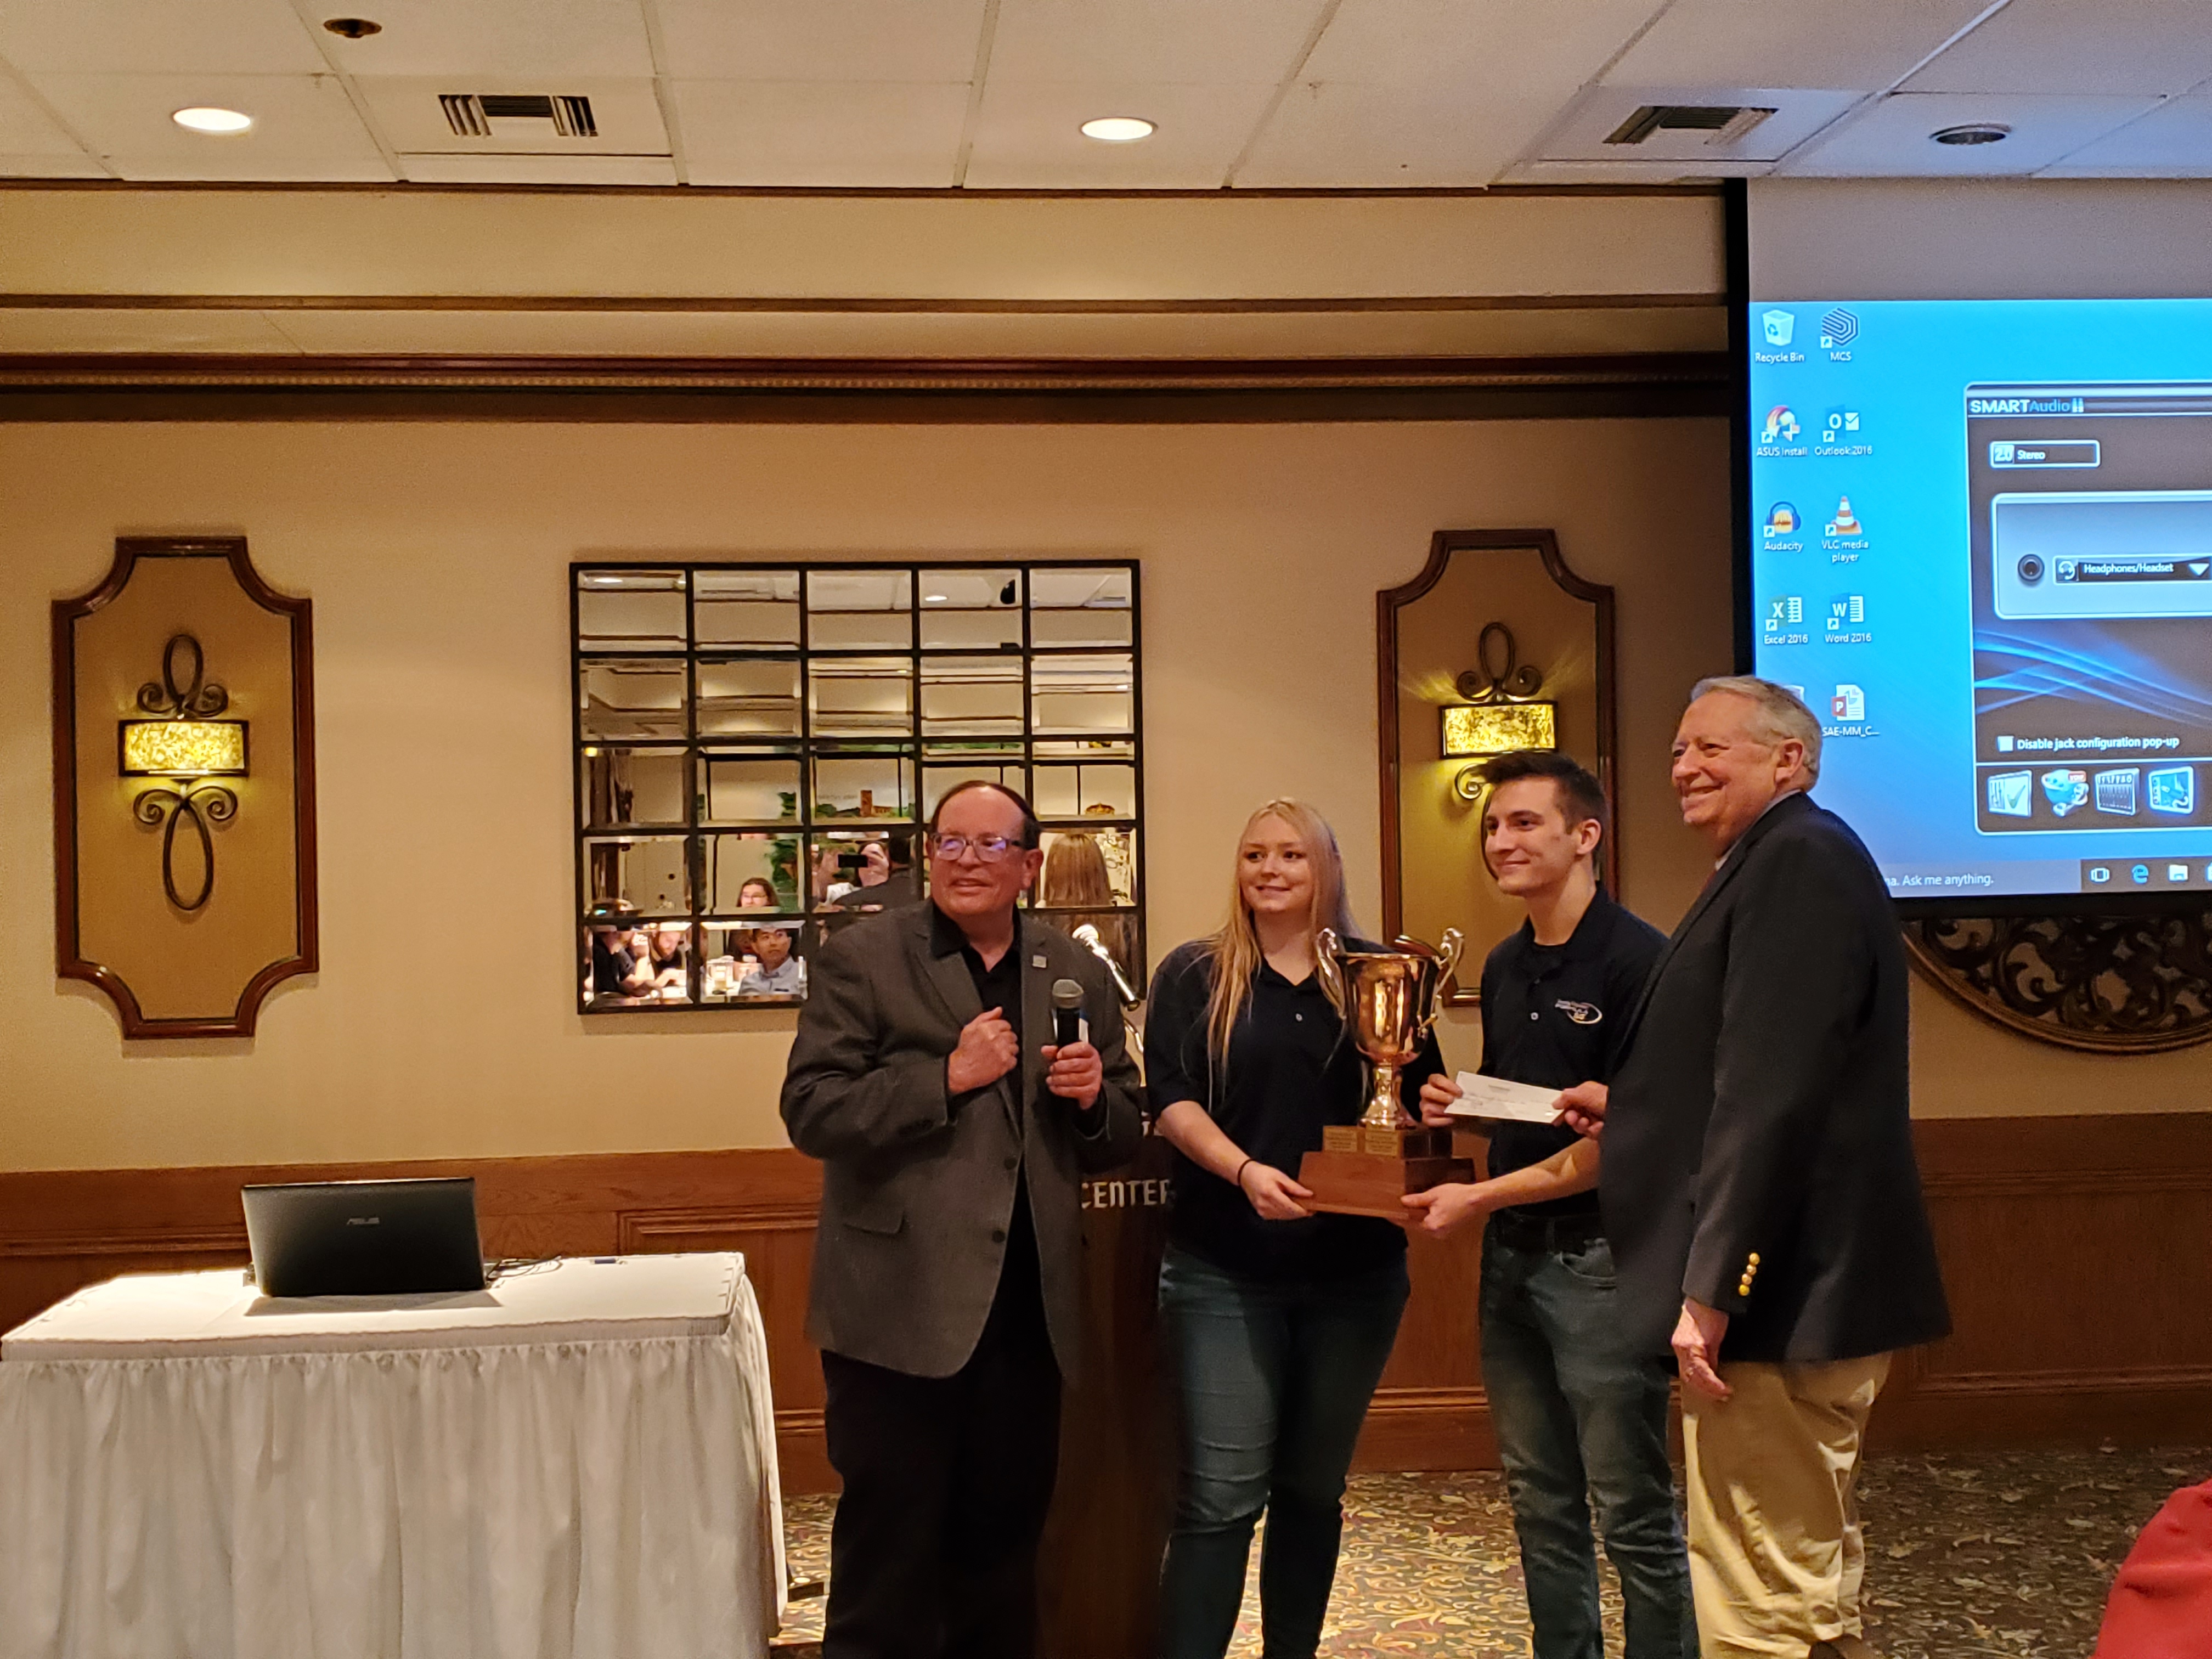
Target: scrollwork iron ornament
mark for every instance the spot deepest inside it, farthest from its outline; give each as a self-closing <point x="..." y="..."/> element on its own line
<point x="198" y="805"/>
<point x="198" y="698"/>
<point x="2130" y="984"/>
<point x="183" y="693"/>
<point x="1511" y="680"/>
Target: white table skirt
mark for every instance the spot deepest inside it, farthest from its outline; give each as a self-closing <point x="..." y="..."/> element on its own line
<point x="578" y="1464"/>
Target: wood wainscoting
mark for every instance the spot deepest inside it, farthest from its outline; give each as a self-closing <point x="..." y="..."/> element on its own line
<point x="2077" y="1251"/>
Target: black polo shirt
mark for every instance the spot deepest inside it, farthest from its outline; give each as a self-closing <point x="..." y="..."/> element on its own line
<point x="1552" y="1015"/>
<point x="999" y="986"/>
<point x="1290" y="1071"/>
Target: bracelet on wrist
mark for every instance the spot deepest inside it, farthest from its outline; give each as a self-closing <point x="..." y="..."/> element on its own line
<point x="1238" y="1181"/>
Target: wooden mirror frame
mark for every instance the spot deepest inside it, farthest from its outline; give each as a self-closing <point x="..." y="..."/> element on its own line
<point x="1388" y="603"/>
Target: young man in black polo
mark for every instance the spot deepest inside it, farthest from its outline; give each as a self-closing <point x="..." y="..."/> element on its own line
<point x="1577" y="1415"/>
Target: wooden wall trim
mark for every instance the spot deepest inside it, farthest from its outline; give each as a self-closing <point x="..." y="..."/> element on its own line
<point x="138" y="370"/>
<point x="108" y="387"/>
<point x="862" y="304"/>
<point x="2040" y="1219"/>
<point x="858" y="193"/>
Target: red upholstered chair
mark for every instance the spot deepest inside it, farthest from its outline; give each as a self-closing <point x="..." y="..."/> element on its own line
<point x="2161" y="1602"/>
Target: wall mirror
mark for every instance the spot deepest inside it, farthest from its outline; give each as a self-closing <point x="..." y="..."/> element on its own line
<point x="1496" y="645"/>
<point x="758" y="748"/>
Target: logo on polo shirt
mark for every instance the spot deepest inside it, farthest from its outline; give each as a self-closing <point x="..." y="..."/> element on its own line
<point x="1582" y="1013"/>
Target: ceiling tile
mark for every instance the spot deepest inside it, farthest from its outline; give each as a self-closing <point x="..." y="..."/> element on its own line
<point x="880" y="135"/>
<point x="2173" y="141"/>
<point x="2062" y="46"/>
<point x="408" y="114"/>
<point x="1864" y="44"/>
<point x="26" y="129"/>
<point x="499" y="39"/>
<point x="155" y="37"/>
<point x="1150" y="40"/>
<point x="1363" y="134"/>
<point x="1432" y="92"/>
<point x="1890" y="137"/>
<point x="1480" y="43"/>
<point x="1027" y="134"/>
<point x="74" y="165"/>
<point x="820" y="41"/>
<point x="539" y="169"/>
<point x="303" y="126"/>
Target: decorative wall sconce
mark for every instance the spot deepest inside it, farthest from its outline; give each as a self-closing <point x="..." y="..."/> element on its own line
<point x="186" y="748"/>
<point x="191" y="956"/>
<point x="1503" y="713"/>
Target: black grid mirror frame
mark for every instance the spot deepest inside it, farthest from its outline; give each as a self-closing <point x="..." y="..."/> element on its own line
<point x="756" y="742"/>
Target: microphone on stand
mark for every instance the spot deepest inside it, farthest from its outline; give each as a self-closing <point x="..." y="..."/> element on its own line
<point x="1087" y="936"/>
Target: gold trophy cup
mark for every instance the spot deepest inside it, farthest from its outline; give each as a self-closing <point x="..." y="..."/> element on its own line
<point x="1390" y="1000"/>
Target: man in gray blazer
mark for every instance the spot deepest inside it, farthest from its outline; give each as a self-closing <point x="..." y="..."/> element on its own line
<point x="1758" y="1180"/>
<point x="953" y="1134"/>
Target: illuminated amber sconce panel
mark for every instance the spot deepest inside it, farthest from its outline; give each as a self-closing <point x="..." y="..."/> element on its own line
<point x="1478" y="730"/>
<point x="184" y="853"/>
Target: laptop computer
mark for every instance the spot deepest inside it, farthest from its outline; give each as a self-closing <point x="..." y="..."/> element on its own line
<point x="364" y="1237"/>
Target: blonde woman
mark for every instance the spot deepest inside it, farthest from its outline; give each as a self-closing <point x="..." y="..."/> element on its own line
<point x="1280" y="1320"/>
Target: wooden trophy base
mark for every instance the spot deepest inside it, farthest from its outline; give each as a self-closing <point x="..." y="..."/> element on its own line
<point x="1362" y="1171"/>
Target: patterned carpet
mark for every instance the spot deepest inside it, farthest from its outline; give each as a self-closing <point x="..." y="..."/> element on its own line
<point x="2001" y="1554"/>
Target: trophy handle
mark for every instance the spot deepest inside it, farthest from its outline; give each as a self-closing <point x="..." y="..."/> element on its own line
<point x="1326" y="946"/>
<point x="1454" y="944"/>
<point x="1448" y="955"/>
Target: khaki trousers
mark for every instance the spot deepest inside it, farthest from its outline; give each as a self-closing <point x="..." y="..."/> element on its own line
<point x="1776" y="1558"/>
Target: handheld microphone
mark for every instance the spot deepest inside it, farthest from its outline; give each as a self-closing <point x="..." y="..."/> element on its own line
<point x="1067" y="1012"/>
<point x="1066" y="1020"/>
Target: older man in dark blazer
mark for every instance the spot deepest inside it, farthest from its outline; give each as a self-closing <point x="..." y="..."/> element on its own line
<point x="947" y="1265"/>
<point x="1759" y="1181"/>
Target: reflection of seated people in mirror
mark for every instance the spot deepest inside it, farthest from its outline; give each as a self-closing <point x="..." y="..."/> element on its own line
<point x="670" y="952"/>
<point x="777" y="973"/>
<point x="755" y="893"/>
<point x="1076" y="885"/>
<point x="619" y="969"/>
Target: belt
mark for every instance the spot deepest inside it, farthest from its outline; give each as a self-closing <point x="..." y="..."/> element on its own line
<point x="1546" y="1233"/>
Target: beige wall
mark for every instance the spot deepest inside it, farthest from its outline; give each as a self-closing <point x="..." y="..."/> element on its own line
<point x="442" y="1022"/>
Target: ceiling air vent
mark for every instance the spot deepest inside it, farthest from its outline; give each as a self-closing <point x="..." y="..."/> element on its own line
<point x="517" y="115"/>
<point x="1722" y="123"/>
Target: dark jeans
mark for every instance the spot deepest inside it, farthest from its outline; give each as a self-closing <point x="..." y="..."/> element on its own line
<point x="1275" y="1380"/>
<point x="946" y="1482"/>
<point x="1578" y="1417"/>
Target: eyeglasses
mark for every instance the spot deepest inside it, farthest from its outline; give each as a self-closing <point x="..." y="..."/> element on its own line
<point x="988" y="849"/>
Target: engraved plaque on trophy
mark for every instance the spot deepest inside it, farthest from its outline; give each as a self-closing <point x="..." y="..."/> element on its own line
<point x="1390" y="999"/>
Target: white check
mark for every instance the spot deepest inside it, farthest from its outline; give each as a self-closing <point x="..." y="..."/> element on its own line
<point x="1495" y="1097"/>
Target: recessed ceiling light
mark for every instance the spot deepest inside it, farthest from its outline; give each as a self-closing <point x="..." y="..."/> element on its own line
<point x="204" y="119"/>
<point x="933" y="599"/>
<point x="1118" y="129"/>
<point x="353" y="28"/>
<point x="1974" y="132"/>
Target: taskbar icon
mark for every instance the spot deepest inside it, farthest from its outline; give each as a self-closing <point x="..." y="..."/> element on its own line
<point x="2147" y="875"/>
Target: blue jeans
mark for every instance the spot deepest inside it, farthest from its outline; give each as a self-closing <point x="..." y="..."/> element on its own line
<point x="1275" y="1380"/>
<point x="1578" y="1417"/>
